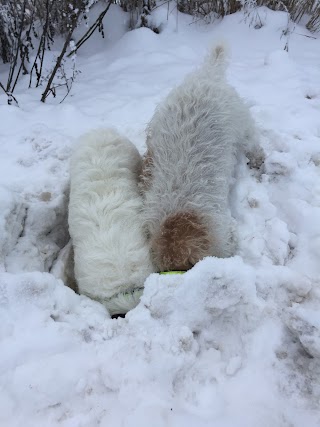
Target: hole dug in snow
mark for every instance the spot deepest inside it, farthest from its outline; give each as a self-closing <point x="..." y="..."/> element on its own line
<point x="36" y="230"/>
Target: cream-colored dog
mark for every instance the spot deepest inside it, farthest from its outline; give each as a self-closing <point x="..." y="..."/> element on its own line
<point x="193" y="140"/>
<point x="110" y="250"/>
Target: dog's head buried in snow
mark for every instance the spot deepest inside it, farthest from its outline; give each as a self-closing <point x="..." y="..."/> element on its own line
<point x="192" y="142"/>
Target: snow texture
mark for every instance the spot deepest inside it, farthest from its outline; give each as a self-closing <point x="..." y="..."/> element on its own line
<point x="231" y="343"/>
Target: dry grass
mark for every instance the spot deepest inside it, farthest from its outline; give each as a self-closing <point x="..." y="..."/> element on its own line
<point x="313" y="24"/>
<point x="219" y="8"/>
<point x="298" y="9"/>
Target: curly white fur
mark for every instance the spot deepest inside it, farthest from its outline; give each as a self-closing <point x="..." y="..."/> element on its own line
<point x="192" y="142"/>
<point x="111" y="253"/>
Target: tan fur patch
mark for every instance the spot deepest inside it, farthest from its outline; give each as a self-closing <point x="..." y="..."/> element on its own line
<point x="182" y="241"/>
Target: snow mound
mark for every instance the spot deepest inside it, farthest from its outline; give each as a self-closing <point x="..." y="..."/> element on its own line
<point x="195" y="342"/>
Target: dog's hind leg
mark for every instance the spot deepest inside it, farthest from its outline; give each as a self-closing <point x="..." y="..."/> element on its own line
<point x="250" y="144"/>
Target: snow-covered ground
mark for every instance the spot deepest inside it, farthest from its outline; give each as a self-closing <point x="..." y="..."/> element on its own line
<point x="233" y="342"/>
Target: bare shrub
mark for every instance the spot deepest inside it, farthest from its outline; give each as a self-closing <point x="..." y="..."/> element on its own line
<point x="15" y="41"/>
<point x="313" y="24"/>
<point x="204" y="8"/>
<point x="32" y="25"/>
<point x="297" y="9"/>
<point x="219" y="8"/>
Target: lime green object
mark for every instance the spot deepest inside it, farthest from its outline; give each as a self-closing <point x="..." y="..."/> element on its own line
<point x="172" y="272"/>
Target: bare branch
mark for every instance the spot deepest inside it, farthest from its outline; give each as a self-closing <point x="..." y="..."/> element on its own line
<point x="61" y="56"/>
<point x="91" y="30"/>
<point x="18" y="41"/>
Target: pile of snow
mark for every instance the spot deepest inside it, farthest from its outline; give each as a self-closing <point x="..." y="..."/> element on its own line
<point x="231" y="343"/>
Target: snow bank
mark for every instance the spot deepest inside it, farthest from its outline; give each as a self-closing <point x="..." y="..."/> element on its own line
<point x="200" y="348"/>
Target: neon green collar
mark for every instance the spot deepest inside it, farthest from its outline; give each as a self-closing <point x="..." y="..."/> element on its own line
<point x="172" y="272"/>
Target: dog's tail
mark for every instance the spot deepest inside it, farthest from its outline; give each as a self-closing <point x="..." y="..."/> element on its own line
<point x="216" y="61"/>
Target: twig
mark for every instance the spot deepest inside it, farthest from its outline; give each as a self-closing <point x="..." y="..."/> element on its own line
<point x="305" y="35"/>
<point x="72" y="78"/>
<point x="9" y="95"/>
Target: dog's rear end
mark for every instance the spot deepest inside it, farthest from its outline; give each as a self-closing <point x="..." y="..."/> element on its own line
<point x="191" y="145"/>
<point x="182" y="240"/>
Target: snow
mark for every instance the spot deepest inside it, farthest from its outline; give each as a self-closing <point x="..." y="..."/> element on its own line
<point x="233" y="342"/>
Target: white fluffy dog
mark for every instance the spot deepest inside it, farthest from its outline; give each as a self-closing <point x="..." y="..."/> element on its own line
<point x="111" y="254"/>
<point x="192" y="142"/>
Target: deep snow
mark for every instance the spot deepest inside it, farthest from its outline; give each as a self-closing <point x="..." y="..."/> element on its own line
<point x="232" y="343"/>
